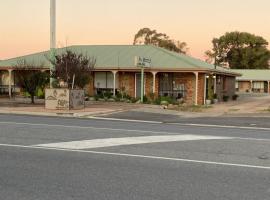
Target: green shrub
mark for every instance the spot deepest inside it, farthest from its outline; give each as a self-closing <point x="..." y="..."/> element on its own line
<point x="134" y="100"/>
<point x="98" y="96"/>
<point x="107" y="94"/>
<point x="235" y="97"/>
<point x="168" y="99"/>
<point x="40" y="93"/>
<point x="126" y="96"/>
<point x="225" y="98"/>
<point x="145" y="99"/>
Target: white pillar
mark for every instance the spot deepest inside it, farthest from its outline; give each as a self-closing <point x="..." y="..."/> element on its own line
<point x="196" y="87"/>
<point x="215" y="84"/>
<point x="114" y="82"/>
<point x="205" y="80"/>
<point x="251" y="86"/>
<point x="154" y="82"/>
<point x="9" y="82"/>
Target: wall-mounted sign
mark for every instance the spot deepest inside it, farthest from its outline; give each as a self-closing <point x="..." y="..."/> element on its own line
<point x="142" y="62"/>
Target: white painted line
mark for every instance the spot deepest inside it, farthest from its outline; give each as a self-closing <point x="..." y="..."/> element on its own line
<point x="125" y="120"/>
<point x="112" y="129"/>
<point x="183" y="124"/>
<point x="221" y="126"/>
<point x="112" y="142"/>
<point x="87" y="127"/>
<point x="144" y="157"/>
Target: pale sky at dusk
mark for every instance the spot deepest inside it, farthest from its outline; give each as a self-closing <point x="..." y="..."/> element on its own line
<point x="25" y="23"/>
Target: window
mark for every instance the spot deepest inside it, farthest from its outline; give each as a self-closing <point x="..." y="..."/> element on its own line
<point x="104" y="80"/>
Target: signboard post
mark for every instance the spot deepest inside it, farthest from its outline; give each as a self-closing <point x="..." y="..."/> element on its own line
<point x="142" y="63"/>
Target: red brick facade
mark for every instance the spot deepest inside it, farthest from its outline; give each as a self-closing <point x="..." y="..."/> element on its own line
<point x="225" y="85"/>
<point x="127" y="82"/>
<point x="201" y="89"/>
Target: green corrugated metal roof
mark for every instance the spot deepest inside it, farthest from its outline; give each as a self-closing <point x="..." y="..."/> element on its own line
<point x="121" y="56"/>
<point x="253" y="74"/>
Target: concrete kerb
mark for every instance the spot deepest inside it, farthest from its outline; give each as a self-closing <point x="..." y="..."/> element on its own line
<point x="60" y="114"/>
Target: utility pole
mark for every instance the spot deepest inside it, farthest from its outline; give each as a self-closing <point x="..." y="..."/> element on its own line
<point x="52" y="37"/>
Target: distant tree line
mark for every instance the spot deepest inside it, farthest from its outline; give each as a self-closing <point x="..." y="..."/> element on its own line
<point x="152" y="37"/>
<point x="239" y="50"/>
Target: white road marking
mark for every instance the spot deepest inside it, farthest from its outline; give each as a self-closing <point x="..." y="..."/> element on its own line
<point x="144" y="157"/>
<point x="125" y="120"/>
<point x="221" y="126"/>
<point x="111" y="142"/>
<point x="87" y="127"/>
<point x="182" y="124"/>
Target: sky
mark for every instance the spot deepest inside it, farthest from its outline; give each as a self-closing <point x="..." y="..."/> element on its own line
<point x="25" y="23"/>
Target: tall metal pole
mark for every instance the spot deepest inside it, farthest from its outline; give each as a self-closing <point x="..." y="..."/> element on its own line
<point x="52" y="36"/>
<point x="142" y="84"/>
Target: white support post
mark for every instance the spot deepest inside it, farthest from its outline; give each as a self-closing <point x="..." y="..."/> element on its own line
<point x="215" y="84"/>
<point x="154" y="82"/>
<point x="196" y="87"/>
<point x="9" y="83"/>
<point x="205" y="80"/>
<point x="114" y="82"/>
<point x="251" y="86"/>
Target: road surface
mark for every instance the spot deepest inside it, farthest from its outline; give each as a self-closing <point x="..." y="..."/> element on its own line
<point x="43" y="158"/>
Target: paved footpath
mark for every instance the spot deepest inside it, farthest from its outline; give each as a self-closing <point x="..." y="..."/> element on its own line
<point x="67" y="158"/>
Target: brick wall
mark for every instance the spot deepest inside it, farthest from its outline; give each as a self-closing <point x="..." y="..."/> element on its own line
<point x="127" y="81"/>
<point x="188" y="80"/>
<point x="244" y="86"/>
<point x="201" y="89"/>
<point x="148" y="83"/>
<point x="230" y="86"/>
<point x="225" y="86"/>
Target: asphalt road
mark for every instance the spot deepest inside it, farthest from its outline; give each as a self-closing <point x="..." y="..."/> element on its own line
<point x="64" y="158"/>
<point x="229" y="120"/>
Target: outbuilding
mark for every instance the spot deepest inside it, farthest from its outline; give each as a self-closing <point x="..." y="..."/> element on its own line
<point x="253" y="80"/>
<point x="170" y="74"/>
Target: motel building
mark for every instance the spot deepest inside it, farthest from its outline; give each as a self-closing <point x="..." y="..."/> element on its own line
<point x="253" y="81"/>
<point x="169" y="74"/>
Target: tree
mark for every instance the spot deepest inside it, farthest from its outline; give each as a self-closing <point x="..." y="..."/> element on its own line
<point x="152" y="37"/>
<point x="70" y="65"/>
<point x="240" y="50"/>
<point x="30" y="79"/>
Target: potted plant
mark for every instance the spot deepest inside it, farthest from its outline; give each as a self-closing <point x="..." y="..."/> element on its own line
<point x="215" y="98"/>
<point x="208" y="101"/>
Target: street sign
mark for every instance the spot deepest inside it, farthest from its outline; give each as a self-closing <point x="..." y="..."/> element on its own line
<point x="142" y="62"/>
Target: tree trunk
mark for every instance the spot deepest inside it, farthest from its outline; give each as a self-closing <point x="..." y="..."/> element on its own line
<point x="33" y="99"/>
